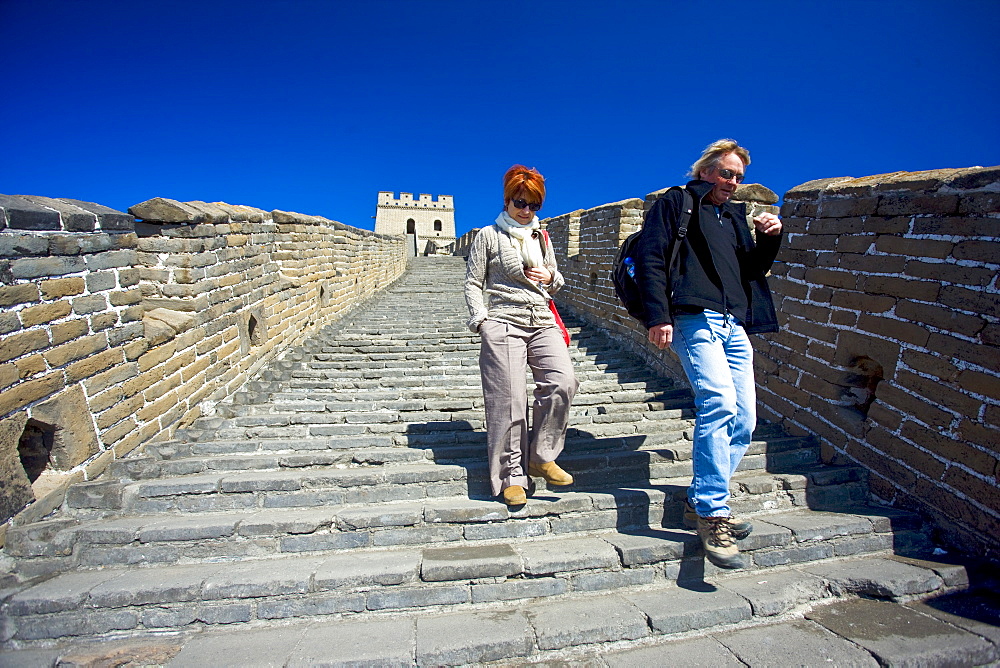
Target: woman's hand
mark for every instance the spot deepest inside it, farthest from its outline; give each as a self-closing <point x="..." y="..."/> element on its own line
<point x="538" y="275"/>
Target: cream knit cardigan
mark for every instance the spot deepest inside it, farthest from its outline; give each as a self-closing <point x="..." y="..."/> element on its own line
<point x="496" y="287"/>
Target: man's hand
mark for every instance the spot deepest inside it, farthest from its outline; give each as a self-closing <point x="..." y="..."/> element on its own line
<point x="768" y="223"/>
<point x="661" y="335"/>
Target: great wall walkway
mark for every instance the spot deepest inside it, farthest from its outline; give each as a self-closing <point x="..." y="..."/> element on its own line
<point x="335" y="513"/>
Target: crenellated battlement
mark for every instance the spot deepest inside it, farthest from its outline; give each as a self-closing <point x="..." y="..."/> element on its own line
<point x="442" y="202"/>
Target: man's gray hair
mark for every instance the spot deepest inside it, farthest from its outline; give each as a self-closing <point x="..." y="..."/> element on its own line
<point x="710" y="158"/>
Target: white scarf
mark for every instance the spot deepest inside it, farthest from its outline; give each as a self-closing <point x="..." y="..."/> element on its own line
<point x="527" y="243"/>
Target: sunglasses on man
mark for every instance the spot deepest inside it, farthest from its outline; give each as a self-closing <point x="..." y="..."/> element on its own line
<point x="521" y="203"/>
<point x="727" y="174"/>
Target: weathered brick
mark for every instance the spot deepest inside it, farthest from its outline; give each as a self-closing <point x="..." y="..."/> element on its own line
<point x="886" y="225"/>
<point x="914" y="248"/>
<point x="119" y="412"/>
<point x="911" y="456"/>
<point x="977" y="382"/>
<point x="27" y="392"/>
<point x="100" y="322"/>
<point x="15" y="345"/>
<point x="861" y="301"/>
<point x="950" y="448"/>
<point x="74" y="350"/>
<point x="945" y="344"/>
<point x="104" y="400"/>
<point x="926" y="291"/>
<point x="942" y="395"/>
<point x="43" y="313"/>
<point x="946" y="272"/>
<point x="832" y="278"/>
<point x="157" y="408"/>
<point x="855" y="243"/>
<point x="979" y="203"/>
<point x="854" y="225"/>
<point x="843" y="207"/>
<point x="984" y="435"/>
<point x="977" y="301"/>
<point x="953" y="226"/>
<point x="66" y="331"/>
<point x="29" y="366"/>
<point x="23" y="293"/>
<point x="934" y="365"/>
<point x="160" y="388"/>
<point x="9" y="375"/>
<point x="93" y="364"/>
<point x="101" y="281"/>
<point x="900" y="204"/>
<point x="937" y="316"/>
<point x="156" y="356"/>
<point x="909" y="403"/>
<point x="875" y="264"/>
<point x="973" y="486"/>
<point x="46" y="266"/>
<point x="125" y="297"/>
<point x="89" y="304"/>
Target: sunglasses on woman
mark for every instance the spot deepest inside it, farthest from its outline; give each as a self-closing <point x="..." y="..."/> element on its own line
<point x="521" y="203"/>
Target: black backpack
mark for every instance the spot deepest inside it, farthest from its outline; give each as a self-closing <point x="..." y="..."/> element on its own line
<point x="623" y="270"/>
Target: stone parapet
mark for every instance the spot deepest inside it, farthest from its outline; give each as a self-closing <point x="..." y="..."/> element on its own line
<point x="46" y="214"/>
<point x="117" y="331"/>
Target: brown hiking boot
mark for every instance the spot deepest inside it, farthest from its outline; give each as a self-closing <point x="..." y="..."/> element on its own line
<point x="740" y="529"/>
<point x="552" y="473"/>
<point x="718" y="542"/>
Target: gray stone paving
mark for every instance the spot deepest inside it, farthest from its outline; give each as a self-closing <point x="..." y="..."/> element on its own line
<point x="335" y="512"/>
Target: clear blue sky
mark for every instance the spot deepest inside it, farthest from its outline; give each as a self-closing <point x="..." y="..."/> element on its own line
<point x="314" y="106"/>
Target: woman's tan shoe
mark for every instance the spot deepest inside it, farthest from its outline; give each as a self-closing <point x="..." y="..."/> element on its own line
<point x="551" y="472"/>
<point x="514" y="496"/>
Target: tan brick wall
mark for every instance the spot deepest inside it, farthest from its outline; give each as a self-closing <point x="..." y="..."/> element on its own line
<point x="154" y="325"/>
<point x="889" y="350"/>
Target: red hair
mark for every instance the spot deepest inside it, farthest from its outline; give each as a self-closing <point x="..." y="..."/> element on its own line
<point x="523" y="180"/>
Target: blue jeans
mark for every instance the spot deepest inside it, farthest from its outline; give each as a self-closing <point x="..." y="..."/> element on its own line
<point x="718" y="359"/>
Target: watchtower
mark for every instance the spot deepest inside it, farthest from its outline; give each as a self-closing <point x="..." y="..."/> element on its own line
<point x="431" y="221"/>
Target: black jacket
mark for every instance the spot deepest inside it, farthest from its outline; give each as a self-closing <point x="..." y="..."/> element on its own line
<point x="709" y="261"/>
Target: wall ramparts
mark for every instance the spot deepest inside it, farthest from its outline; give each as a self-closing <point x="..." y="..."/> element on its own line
<point x="117" y="332"/>
<point x="889" y="351"/>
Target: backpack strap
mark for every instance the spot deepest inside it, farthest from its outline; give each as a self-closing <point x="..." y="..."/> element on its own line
<point x="687" y="206"/>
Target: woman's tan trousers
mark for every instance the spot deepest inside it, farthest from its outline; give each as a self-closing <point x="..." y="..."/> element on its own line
<point x="505" y="352"/>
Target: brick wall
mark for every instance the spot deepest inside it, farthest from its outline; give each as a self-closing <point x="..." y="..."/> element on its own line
<point x="890" y="342"/>
<point x="889" y="305"/>
<point x="116" y="332"/>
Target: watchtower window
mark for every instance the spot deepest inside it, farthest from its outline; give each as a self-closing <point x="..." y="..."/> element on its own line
<point x="411" y="226"/>
<point x="437" y="225"/>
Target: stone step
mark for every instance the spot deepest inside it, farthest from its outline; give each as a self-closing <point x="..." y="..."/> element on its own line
<point x="362" y="581"/>
<point x="730" y="620"/>
<point x="208" y="479"/>
<point x="252" y="527"/>
<point x="647" y="452"/>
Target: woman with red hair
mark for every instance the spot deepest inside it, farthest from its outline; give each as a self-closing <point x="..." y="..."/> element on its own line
<point x="510" y="276"/>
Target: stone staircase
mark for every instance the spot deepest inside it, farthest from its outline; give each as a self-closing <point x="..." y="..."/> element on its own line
<point x="345" y="489"/>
